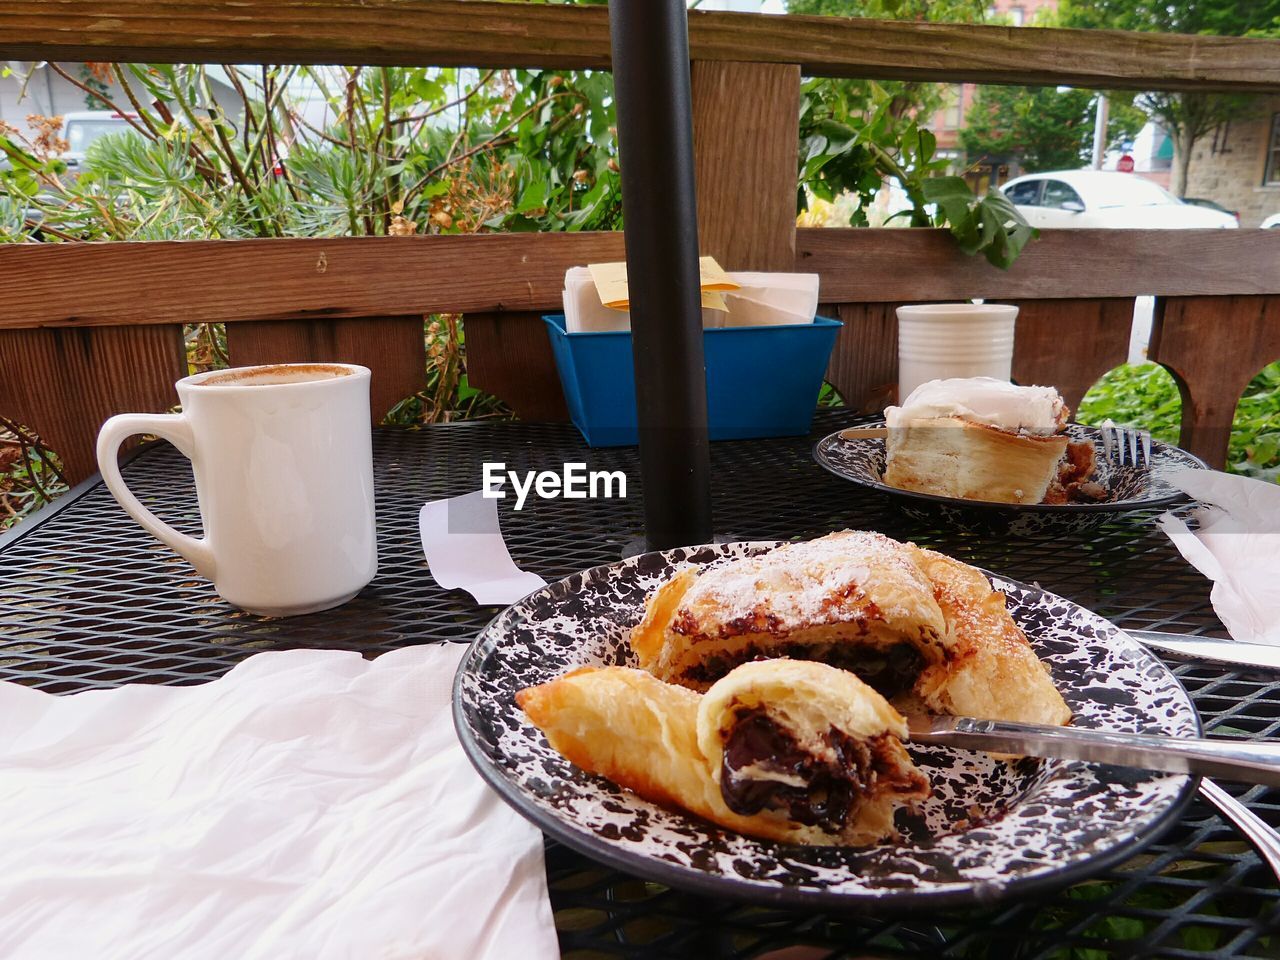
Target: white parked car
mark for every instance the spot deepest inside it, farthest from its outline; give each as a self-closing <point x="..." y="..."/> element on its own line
<point x="82" y="127"/>
<point x="1271" y="223"/>
<point x="1097" y="198"/>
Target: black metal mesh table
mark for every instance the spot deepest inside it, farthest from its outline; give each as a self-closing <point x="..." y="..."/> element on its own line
<point x="87" y="599"/>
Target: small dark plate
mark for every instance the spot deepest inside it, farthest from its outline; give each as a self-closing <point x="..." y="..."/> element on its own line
<point x="991" y="830"/>
<point x="1128" y="488"/>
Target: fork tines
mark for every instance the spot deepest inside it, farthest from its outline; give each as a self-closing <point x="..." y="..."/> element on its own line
<point x="1126" y="446"/>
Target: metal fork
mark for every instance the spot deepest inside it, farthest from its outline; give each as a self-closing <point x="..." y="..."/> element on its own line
<point x="1264" y="837"/>
<point x="1260" y="833"/>
<point x="1126" y="446"/>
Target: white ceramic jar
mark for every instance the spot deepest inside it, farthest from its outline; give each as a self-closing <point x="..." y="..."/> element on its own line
<point x="938" y="341"/>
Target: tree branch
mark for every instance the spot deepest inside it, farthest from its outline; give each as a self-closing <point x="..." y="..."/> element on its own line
<point x="111" y="104"/>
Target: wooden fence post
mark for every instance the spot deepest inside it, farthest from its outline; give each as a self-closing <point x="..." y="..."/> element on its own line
<point x="64" y="382"/>
<point x="1069" y="344"/>
<point x="746" y="119"/>
<point x="1214" y="346"/>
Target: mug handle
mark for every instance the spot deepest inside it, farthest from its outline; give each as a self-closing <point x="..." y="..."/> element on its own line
<point x="175" y="428"/>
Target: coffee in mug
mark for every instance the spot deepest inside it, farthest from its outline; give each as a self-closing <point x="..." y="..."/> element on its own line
<point x="282" y="456"/>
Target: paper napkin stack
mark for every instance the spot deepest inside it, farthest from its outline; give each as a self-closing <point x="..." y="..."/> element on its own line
<point x="763" y="299"/>
<point x="1237" y="546"/>
<point x="595" y="298"/>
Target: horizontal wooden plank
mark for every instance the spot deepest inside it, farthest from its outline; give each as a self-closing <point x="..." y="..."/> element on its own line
<point x="393" y="348"/>
<point x="98" y="284"/>
<point x="483" y="34"/>
<point x="382" y="32"/>
<point x="908" y="50"/>
<point x="89" y="285"/>
<point x="922" y="265"/>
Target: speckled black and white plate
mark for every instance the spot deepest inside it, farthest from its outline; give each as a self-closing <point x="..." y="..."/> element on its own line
<point x="991" y="829"/>
<point x="1128" y="488"/>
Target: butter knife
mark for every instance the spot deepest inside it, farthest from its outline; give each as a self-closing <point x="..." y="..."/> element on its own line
<point x="1242" y="760"/>
<point x="1210" y="648"/>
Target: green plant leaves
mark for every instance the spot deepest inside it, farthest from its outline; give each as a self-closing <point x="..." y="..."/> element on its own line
<point x="861" y="140"/>
<point x="533" y="198"/>
<point x="990" y="225"/>
<point x="452" y="151"/>
<point x="1146" y="396"/>
<point x="342" y="151"/>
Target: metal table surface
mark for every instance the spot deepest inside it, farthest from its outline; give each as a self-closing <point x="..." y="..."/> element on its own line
<point x="89" y="600"/>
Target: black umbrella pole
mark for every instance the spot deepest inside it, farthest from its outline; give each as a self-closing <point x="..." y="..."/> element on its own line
<point x="659" y="205"/>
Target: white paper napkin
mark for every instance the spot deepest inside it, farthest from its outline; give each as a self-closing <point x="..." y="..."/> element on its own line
<point x="1237" y="546"/>
<point x="583" y="311"/>
<point x="309" y="804"/>
<point x="768" y="299"/>
<point x="465" y="550"/>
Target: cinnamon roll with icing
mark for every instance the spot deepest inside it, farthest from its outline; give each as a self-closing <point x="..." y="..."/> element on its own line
<point x="979" y="438"/>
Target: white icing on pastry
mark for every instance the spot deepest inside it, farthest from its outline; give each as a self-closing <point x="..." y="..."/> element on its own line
<point x="996" y="403"/>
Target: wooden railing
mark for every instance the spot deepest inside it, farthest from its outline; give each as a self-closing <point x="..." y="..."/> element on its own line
<point x="80" y="341"/>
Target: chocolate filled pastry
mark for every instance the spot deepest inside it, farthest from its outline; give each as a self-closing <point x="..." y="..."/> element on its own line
<point x="984" y="439"/>
<point x="855" y="600"/>
<point x="924" y="630"/>
<point x="780" y="749"/>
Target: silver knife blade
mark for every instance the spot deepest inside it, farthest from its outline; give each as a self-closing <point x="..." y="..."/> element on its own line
<point x="1210" y="648"/>
<point x="1242" y="760"/>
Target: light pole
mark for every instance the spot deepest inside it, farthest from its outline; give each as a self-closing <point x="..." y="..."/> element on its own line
<point x="1101" y="114"/>
<point x="1100" y="130"/>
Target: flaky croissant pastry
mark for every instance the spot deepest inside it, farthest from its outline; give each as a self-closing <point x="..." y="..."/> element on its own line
<point x="989" y="669"/>
<point x="781" y="749"/>
<point x="912" y="623"/>
<point x="856" y="600"/>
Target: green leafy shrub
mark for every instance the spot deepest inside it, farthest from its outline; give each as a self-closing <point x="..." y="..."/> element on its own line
<point x="1147" y="397"/>
<point x="1255" y="439"/>
<point x="401" y="150"/>
<point x="867" y="141"/>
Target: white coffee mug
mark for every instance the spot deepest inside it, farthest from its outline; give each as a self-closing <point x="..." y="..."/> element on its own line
<point x="937" y="341"/>
<point x="283" y="463"/>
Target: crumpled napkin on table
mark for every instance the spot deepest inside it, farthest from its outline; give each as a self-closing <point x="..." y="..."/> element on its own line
<point x="309" y="804"/>
<point x="1237" y="546"/>
<point x="462" y="539"/>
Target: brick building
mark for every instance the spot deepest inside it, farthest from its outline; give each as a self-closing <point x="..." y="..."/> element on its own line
<point x="949" y="120"/>
<point x="1238" y="165"/>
